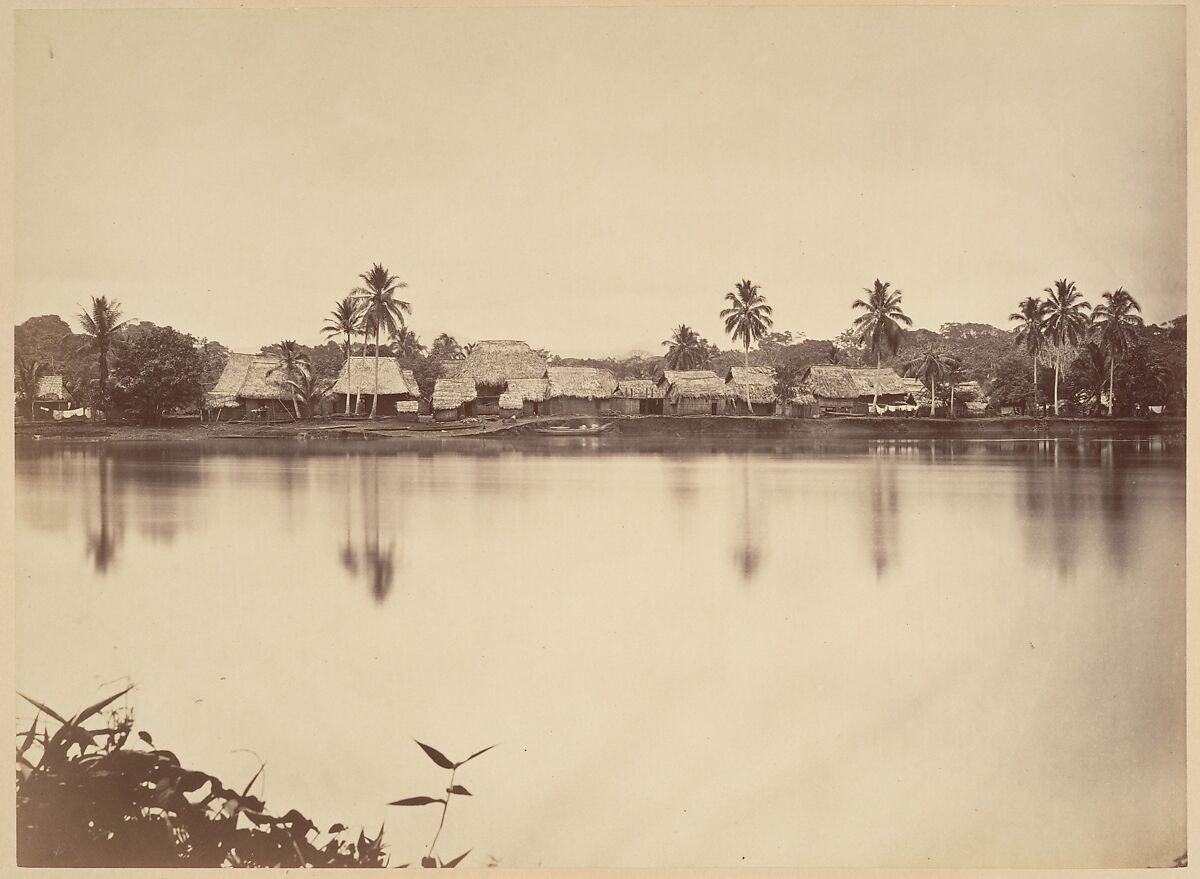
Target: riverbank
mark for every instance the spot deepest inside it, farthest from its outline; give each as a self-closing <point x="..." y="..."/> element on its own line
<point x="640" y="427"/>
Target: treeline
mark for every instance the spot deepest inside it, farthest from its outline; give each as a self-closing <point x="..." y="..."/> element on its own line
<point x="150" y="370"/>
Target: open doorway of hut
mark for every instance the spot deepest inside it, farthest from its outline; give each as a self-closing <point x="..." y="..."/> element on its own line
<point x="714" y="408"/>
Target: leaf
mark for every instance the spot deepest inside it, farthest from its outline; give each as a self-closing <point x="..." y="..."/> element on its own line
<point x="437" y="756"/>
<point x="43" y="708"/>
<point x="99" y="706"/>
<point x="473" y="756"/>
<point x="454" y="863"/>
<point x="416" y="801"/>
<point x="29" y="736"/>
<point x="428" y="862"/>
<point x="458" y="789"/>
<point x="146" y="737"/>
<point x="261" y="767"/>
<point x="336" y="828"/>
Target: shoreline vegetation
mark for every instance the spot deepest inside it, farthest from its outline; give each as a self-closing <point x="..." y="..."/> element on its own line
<point x="1060" y="355"/>
<point x="91" y="793"/>
<point x="623" y="427"/>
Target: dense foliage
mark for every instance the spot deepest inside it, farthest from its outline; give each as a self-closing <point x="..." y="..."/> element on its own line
<point x="157" y="371"/>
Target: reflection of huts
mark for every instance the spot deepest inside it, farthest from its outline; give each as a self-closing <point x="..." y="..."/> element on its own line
<point x="692" y="392"/>
<point x="577" y="390"/>
<point x="757" y="382"/>
<point x="251" y="386"/>
<point x="396" y="385"/>
<point x="845" y="390"/>
<point x="638" y="396"/>
<point x="51" y="397"/>
<point x="492" y="364"/>
<point x="523" y="396"/>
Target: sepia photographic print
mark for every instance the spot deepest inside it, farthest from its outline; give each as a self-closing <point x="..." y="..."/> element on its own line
<point x="595" y="437"/>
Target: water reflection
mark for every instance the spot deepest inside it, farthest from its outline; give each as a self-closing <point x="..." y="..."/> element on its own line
<point x="102" y="541"/>
<point x="884" y="505"/>
<point x="374" y="557"/>
<point x="748" y="554"/>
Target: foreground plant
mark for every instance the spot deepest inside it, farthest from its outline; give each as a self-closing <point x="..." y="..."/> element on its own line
<point x="92" y="797"/>
<point x="430" y="859"/>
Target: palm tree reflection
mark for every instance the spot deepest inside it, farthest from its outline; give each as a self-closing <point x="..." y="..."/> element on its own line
<point x="885" y="505"/>
<point x="371" y="559"/>
<point x="747" y="555"/>
<point x="101" y="544"/>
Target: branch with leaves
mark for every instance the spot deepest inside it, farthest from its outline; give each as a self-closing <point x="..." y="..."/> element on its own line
<point x="452" y="790"/>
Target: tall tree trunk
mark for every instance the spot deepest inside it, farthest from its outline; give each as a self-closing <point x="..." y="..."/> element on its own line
<point x="875" y="399"/>
<point x="104" y="382"/>
<point x="749" y="408"/>
<point x="375" y="396"/>
<point x="932" y="398"/>
<point x="1035" y="387"/>
<point x="1112" y="388"/>
<point x="951" y="399"/>
<point x="1056" y="360"/>
<point x="349" y="374"/>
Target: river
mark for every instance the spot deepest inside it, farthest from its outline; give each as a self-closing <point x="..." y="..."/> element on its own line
<point x="688" y="654"/>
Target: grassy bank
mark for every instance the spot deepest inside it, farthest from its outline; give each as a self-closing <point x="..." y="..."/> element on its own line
<point x="706" y="427"/>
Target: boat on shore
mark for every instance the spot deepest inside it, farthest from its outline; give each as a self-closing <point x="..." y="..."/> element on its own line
<point x="581" y="430"/>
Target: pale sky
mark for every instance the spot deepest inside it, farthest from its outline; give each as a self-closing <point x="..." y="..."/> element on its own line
<point x="588" y="178"/>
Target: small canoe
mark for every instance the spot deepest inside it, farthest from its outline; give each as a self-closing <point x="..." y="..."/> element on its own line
<point x="591" y="430"/>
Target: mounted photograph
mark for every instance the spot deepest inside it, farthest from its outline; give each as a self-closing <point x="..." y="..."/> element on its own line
<point x="600" y="437"/>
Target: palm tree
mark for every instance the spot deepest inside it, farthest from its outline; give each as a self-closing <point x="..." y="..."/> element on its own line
<point x="307" y="389"/>
<point x="101" y="324"/>
<point x="446" y="347"/>
<point x="384" y="312"/>
<point x="345" y="320"/>
<point x="1114" y="325"/>
<point x="931" y="366"/>
<point x="1064" y="322"/>
<point x="953" y="376"/>
<point x="879" y="328"/>
<point x="293" y="363"/>
<point x="1029" y="333"/>
<point x="747" y="318"/>
<point x="27" y="374"/>
<point x="684" y="350"/>
<point x="406" y="345"/>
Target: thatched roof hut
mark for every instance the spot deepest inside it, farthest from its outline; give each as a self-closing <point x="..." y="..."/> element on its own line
<point x="691" y="384"/>
<point x="358" y="377"/>
<point x="520" y="390"/>
<point x="757" y="381"/>
<point x="638" y="389"/>
<point x="845" y="382"/>
<point x="50" y="389"/>
<point x="584" y="382"/>
<point x="450" y="393"/>
<point x="494" y="363"/>
<point x="249" y="377"/>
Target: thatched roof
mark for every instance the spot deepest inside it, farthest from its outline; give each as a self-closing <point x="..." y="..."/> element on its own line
<point x="534" y="389"/>
<point x="692" y="383"/>
<point x="249" y="377"/>
<point x="802" y="397"/>
<point x="361" y="378"/>
<point x="584" y="382"/>
<point x="638" y="389"/>
<point x="757" y="381"/>
<point x="450" y="393"/>
<point x="50" y="388"/>
<point x="493" y="363"/>
<point x="845" y="382"/>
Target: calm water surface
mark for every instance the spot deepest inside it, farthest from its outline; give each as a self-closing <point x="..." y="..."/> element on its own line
<point x="947" y="654"/>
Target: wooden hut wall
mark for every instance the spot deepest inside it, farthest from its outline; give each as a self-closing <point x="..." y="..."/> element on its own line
<point x="694" y="406"/>
<point x="571" y="406"/>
